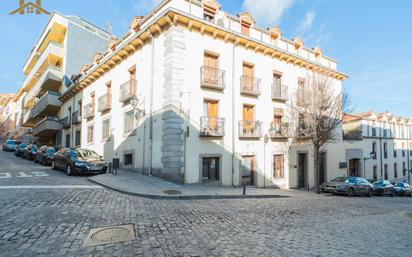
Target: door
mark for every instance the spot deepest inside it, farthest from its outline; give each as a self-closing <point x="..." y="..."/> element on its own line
<point x="248" y="118"/>
<point x="248" y="166"/>
<point x="248" y="77"/>
<point x="322" y="168"/>
<point x="302" y="170"/>
<point x="210" y="168"/>
<point x="211" y="68"/>
<point x="212" y="113"/>
<point x="354" y="167"/>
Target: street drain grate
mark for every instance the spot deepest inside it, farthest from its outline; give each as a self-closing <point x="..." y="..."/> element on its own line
<point x="172" y="192"/>
<point x="109" y="235"/>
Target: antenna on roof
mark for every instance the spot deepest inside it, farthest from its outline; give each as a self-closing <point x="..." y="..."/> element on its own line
<point x="109" y="28"/>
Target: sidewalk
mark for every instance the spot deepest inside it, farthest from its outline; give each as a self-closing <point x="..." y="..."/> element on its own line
<point x="133" y="183"/>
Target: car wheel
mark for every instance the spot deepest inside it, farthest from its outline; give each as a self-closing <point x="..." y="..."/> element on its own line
<point x="43" y="162"/>
<point x="370" y="193"/>
<point x="69" y="170"/>
<point x="53" y="165"/>
<point x="351" y="192"/>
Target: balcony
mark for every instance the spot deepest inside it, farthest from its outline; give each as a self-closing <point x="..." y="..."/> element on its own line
<point x="127" y="91"/>
<point x="65" y="122"/>
<point x="280" y="130"/>
<point x="76" y="118"/>
<point x="105" y="103"/>
<point x="212" y="78"/>
<point x="48" y="105"/>
<point x="355" y="134"/>
<point x="212" y="127"/>
<point x="46" y="127"/>
<point x="249" y="86"/>
<point x="279" y="92"/>
<point x="250" y="129"/>
<point x="89" y="111"/>
<point x="302" y="131"/>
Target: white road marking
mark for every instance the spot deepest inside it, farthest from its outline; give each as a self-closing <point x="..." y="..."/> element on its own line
<point x="24" y="174"/>
<point x="5" y="175"/>
<point x="51" y="187"/>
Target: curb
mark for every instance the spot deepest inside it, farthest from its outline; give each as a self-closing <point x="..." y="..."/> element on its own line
<point x="187" y="197"/>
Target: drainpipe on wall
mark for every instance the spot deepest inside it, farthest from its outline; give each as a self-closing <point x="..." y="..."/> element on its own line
<point x="380" y="142"/>
<point x="71" y="125"/>
<point x="151" y="107"/>
<point x="233" y="115"/>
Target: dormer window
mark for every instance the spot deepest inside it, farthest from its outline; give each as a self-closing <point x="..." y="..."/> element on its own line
<point x="246" y="22"/>
<point x="210" y="8"/>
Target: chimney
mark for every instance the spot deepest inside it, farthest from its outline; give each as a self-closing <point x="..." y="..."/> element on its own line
<point x="21" y="4"/>
<point x="38" y="3"/>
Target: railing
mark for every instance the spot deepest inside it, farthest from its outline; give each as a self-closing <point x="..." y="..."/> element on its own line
<point x="76" y="118"/>
<point x="279" y="92"/>
<point x="212" y="78"/>
<point x="105" y="102"/>
<point x="280" y="130"/>
<point x="352" y="134"/>
<point x="250" y="129"/>
<point x="89" y="111"/>
<point x="65" y="122"/>
<point x="46" y="125"/>
<point x="303" y="131"/>
<point x="212" y="127"/>
<point x="127" y="91"/>
<point x="250" y="85"/>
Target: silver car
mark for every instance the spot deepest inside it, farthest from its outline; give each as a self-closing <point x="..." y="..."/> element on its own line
<point x="355" y="186"/>
<point x="330" y="187"/>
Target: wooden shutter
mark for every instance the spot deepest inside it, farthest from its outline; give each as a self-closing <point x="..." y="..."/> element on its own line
<point x="278" y="166"/>
<point x="277" y="117"/>
<point x="211" y="62"/>
<point x="248" y="76"/>
<point x="248" y="117"/>
<point x="245" y="28"/>
<point x="212" y="112"/>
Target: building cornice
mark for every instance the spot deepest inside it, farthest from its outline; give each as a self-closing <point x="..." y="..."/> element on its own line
<point x="174" y="17"/>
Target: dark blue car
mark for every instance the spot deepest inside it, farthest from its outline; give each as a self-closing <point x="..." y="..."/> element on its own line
<point x="45" y="155"/>
<point x="20" y="149"/>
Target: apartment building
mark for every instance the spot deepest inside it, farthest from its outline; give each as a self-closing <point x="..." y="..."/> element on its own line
<point x="380" y="145"/>
<point x="64" y="45"/>
<point x="5" y="111"/>
<point x="194" y="94"/>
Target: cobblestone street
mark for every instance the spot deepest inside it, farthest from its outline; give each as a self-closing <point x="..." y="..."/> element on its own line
<point x="55" y="221"/>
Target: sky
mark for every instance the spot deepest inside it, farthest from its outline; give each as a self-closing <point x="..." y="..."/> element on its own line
<point x="370" y="39"/>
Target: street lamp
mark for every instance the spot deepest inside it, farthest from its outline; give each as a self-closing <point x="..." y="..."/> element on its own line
<point x="372" y="155"/>
<point x="136" y="105"/>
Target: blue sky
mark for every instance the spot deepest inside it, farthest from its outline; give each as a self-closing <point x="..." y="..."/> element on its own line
<point x="370" y="39"/>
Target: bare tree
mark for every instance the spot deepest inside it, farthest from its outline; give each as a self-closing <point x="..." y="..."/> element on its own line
<point x="319" y="109"/>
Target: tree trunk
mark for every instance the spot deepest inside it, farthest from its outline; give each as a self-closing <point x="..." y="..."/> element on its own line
<point x="316" y="157"/>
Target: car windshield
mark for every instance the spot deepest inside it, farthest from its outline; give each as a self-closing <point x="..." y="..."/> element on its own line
<point x="339" y="179"/>
<point x="84" y="153"/>
<point x="22" y="146"/>
<point x="378" y="182"/>
<point x="350" y="180"/>
<point x="11" y="142"/>
<point x="34" y="148"/>
<point x="50" y="150"/>
<point x="399" y="184"/>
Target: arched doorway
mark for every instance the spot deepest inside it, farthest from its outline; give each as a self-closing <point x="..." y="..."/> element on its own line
<point x="354" y="167"/>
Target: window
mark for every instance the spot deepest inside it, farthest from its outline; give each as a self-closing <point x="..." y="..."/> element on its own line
<point x="209" y="10"/>
<point x="403" y="149"/>
<point x="90" y="132"/>
<point x="128" y="159"/>
<point x="245" y="28"/>
<point x="394" y="151"/>
<point x="247" y="77"/>
<point x="386" y="171"/>
<point x="211" y="65"/>
<point x="404" y="169"/>
<point x="385" y="150"/>
<point x="395" y="170"/>
<point x="301" y="92"/>
<point x="128" y="122"/>
<point x="78" y="136"/>
<point x="374" y="149"/>
<point x="277" y="117"/>
<point x="374" y="128"/>
<point x="80" y="108"/>
<point x="278" y="166"/>
<point x="67" y="140"/>
<point x="375" y="172"/>
<point x="106" y="129"/>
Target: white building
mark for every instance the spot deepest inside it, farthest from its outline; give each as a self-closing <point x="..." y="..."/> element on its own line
<point x="213" y="95"/>
<point x="379" y="146"/>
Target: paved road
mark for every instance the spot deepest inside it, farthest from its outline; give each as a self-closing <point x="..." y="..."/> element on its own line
<point x="54" y="221"/>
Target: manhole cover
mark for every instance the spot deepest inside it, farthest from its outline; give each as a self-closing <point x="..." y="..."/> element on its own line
<point x="109" y="235"/>
<point x="172" y="192"/>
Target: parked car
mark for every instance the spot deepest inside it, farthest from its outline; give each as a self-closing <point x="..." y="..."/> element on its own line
<point x="403" y="189"/>
<point x="30" y="152"/>
<point x="354" y="186"/>
<point x="10" y="145"/>
<point x="79" y="161"/>
<point x="45" y="155"/>
<point x="383" y="187"/>
<point x="330" y="187"/>
<point x="20" y="149"/>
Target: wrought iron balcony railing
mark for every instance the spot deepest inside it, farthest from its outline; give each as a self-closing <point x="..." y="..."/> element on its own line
<point x="76" y="118"/>
<point x="279" y="92"/>
<point x="65" y="122"/>
<point x="89" y="111"/>
<point x="212" y="127"/>
<point x="105" y="102"/>
<point x="280" y="130"/>
<point x="250" y="129"/>
<point x="127" y="91"/>
<point x="250" y="85"/>
<point x="212" y="78"/>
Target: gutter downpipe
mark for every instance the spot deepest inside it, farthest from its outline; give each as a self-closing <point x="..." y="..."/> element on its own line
<point x="71" y="124"/>
<point x="233" y="114"/>
<point x="151" y="107"/>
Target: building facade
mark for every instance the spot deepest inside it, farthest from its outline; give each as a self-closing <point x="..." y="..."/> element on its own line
<point x="379" y="146"/>
<point x="194" y="94"/>
<point x="64" y="45"/>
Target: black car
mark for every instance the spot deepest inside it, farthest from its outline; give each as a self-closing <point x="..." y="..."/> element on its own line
<point x="20" y="149"/>
<point x="403" y="189"/>
<point x="10" y="145"/>
<point x="79" y="161"/>
<point x="383" y="187"/>
<point x="45" y="155"/>
<point x="30" y="152"/>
